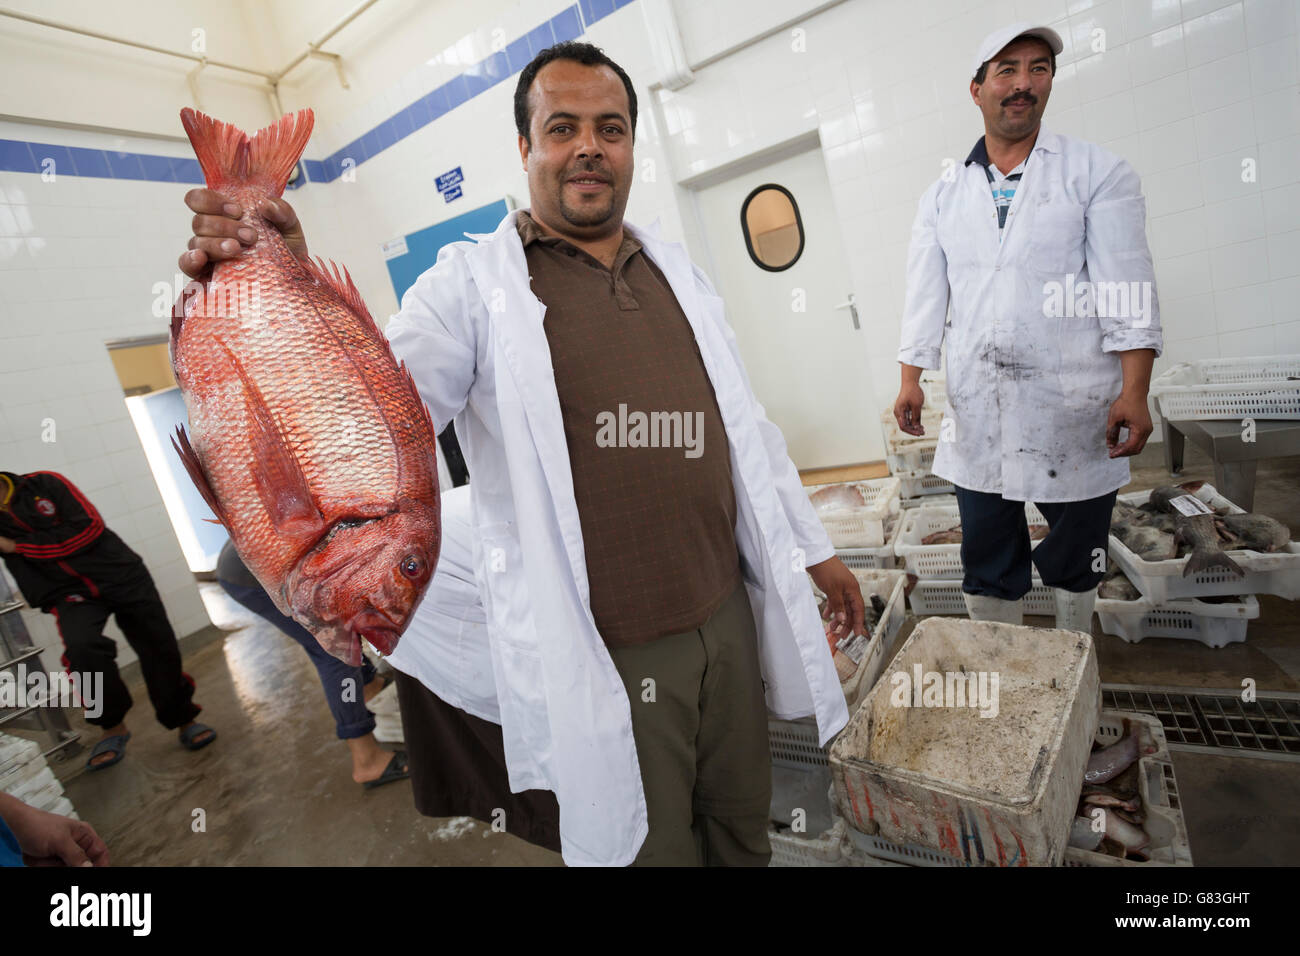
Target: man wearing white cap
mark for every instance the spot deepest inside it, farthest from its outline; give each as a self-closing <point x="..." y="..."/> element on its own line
<point x="1030" y="264"/>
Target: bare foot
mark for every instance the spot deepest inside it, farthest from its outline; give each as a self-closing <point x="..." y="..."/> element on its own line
<point x="369" y="760"/>
<point x="373" y="688"/>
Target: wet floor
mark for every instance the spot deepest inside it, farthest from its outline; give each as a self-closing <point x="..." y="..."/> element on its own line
<point x="276" y="787"/>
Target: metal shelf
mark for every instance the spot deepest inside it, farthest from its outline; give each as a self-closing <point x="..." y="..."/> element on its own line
<point x="17" y="647"/>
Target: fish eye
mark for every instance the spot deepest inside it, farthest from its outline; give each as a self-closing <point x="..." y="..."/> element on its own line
<point x="411" y="566"/>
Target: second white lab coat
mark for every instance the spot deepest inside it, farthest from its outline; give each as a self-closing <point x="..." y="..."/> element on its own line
<point x="1030" y="374"/>
<point x="445" y="645"/>
<point x="470" y="331"/>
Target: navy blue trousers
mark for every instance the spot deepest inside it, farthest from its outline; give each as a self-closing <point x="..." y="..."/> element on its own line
<point x="996" y="554"/>
<point x="346" y="702"/>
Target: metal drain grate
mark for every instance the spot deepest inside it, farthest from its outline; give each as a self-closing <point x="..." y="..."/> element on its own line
<point x="1216" y="721"/>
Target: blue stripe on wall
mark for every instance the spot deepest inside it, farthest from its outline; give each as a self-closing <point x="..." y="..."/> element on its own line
<point x="570" y="23"/>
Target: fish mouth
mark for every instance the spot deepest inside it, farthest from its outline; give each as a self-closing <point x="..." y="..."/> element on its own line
<point x="376" y="628"/>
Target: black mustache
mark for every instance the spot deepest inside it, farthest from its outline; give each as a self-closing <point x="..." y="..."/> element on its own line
<point x="1029" y="98"/>
<point x="590" y="167"/>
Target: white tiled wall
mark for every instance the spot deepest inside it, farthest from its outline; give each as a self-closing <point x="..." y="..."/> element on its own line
<point x="78" y="261"/>
<point x="1185" y="91"/>
<point x="394" y="193"/>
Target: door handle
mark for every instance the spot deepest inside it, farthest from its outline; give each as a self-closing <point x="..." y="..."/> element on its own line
<point x="853" y="310"/>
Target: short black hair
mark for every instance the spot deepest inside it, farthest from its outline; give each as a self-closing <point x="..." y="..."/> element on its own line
<point x="584" y="53"/>
<point x="984" y="67"/>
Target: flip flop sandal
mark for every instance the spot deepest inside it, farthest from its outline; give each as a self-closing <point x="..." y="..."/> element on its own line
<point x="115" y="745"/>
<point x="189" y="733"/>
<point x="397" y="769"/>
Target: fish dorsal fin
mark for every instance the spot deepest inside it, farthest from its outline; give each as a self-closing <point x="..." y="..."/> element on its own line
<point x="274" y="468"/>
<point x="327" y="273"/>
<point x="181" y="442"/>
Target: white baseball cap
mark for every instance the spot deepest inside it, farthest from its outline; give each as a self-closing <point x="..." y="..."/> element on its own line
<point x="996" y="40"/>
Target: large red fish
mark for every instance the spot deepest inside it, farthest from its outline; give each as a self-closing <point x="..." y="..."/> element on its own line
<point x="309" y="441"/>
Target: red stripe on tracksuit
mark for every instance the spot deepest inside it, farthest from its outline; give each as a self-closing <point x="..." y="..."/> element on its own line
<point x="90" y="585"/>
<point x="74" y="544"/>
<point x="67" y="664"/>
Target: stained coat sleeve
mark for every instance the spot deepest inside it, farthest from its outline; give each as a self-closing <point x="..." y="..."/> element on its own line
<point x="434" y="335"/>
<point x="79" y="523"/>
<point x="925" y="309"/>
<point x="809" y="534"/>
<point x="1117" y="253"/>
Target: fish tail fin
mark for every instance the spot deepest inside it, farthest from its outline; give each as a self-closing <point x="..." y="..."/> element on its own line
<point x="1205" y="560"/>
<point x="228" y="155"/>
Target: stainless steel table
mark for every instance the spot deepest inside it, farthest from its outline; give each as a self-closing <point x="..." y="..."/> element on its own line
<point x="1234" y="458"/>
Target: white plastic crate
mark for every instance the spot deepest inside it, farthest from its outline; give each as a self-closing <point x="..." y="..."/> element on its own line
<point x="1213" y="624"/>
<point x="1000" y="795"/>
<point x="1158" y="791"/>
<point x="28" y="783"/>
<point x="800" y="774"/>
<point x="868" y="850"/>
<point x="829" y="848"/>
<point x="933" y="561"/>
<point x="890" y="586"/>
<point x="794" y="742"/>
<point x="1162" y="581"/>
<point x="1157" y="788"/>
<point x="909" y="453"/>
<point x="63" y="807"/>
<point x="914" y="484"/>
<point x="861" y="527"/>
<point x="872" y="559"/>
<point x="17" y="751"/>
<point x="1234" y="388"/>
<point x="944" y="597"/>
<point x="915" y="457"/>
<point x="929" y="501"/>
<point x="20" y="773"/>
<point x="935" y="386"/>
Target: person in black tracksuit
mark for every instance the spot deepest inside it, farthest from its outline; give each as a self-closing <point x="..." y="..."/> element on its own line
<point x="68" y="564"/>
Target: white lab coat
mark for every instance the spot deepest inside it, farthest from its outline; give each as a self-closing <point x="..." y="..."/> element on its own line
<point x="445" y="646"/>
<point x="470" y="330"/>
<point x="1031" y="376"/>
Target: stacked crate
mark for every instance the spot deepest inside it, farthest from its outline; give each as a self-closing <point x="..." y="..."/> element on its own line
<point x="938" y="568"/>
<point x="802" y="829"/>
<point x="1169" y="604"/>
<point x="911" y="458"/>
<point x="25" y="774"/>
<point x="864" y="537"/>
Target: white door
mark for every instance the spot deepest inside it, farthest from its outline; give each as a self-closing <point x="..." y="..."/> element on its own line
<point x="808" y="368"/>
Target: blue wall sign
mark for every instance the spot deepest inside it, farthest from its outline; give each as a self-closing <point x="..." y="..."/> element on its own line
<point x="453" y="193"/>
<point x="449" y="179"/>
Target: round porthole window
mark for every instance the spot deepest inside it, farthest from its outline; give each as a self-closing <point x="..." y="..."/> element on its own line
<point x="769" y="218"/>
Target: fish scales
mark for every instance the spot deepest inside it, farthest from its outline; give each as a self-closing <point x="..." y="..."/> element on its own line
<point x="288" y="359"/>
<point x="309" y="439"/>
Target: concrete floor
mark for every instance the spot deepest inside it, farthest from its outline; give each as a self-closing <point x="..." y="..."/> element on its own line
<point x="276" y="787"/>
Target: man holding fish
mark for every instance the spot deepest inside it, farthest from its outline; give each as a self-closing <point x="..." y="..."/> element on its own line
<point x="1029" y="265"/>
<point x="646" y="608"/>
